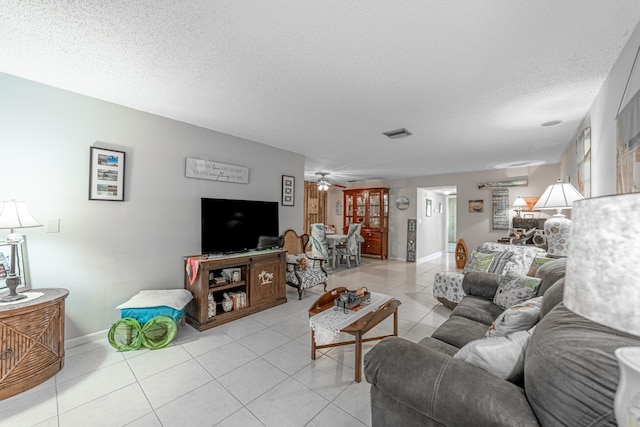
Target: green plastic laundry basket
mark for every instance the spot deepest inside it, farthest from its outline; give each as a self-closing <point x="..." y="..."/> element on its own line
<point x="158" y="332"/>
<point x="126" y="334"/>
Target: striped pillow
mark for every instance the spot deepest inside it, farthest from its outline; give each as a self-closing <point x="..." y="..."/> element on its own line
<point x="500" y="260"/>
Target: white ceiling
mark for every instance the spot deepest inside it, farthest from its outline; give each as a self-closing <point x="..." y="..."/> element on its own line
<point x="472" y="80"/>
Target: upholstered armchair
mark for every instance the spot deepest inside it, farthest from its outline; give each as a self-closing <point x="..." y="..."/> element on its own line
<point x="351" y="248"/>
<point x="305" y="270"/>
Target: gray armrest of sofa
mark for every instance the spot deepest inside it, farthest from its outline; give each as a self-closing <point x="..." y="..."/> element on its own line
<point x="480" y="284"/>
<point x="435" y="386"/>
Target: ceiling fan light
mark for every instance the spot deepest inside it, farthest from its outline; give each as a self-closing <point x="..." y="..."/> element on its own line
<point x="323" y="184"/>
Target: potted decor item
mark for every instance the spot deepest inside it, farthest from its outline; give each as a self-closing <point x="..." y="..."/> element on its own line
<point x="211" y="306"/>
<point x="227" y="302"/>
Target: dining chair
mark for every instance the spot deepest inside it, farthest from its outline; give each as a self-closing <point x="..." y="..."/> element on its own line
<point x="351" y="248"/>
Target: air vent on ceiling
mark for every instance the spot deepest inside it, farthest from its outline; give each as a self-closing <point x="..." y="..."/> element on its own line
<point x="398" y="133"/>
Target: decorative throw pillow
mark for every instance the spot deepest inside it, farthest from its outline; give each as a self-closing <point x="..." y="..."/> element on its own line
<point x="478" y="261"/>
<point x="515" y="265"/>
<point x="520" y="317"/>
<point x="513" y="290"/>
<point x="537" y="262"/>
<point x="499" y="262"/>
<point x="500" y="356"/>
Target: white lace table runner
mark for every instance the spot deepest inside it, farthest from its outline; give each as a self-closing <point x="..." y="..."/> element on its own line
<point x="327" y="324"/>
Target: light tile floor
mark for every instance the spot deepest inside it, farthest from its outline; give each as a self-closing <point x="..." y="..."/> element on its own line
<point x="255" y="371"/>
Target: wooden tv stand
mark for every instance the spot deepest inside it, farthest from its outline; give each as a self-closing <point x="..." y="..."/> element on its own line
<point x="262" y="278"/>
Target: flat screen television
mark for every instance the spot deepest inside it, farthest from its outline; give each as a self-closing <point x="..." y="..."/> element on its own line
<point x="231" y="226"/>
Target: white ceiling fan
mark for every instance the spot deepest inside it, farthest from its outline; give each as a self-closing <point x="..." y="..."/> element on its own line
<point x="323" y="182"/>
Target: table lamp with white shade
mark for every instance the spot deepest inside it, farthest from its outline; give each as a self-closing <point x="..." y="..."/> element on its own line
<point x="519" y="203"/>
<point x="558" y="196"/>
<point x="602" y="283"/>
<point x="14" y="215"/>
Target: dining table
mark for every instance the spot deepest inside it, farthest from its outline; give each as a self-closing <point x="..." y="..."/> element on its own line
<point x="334" y="239"/>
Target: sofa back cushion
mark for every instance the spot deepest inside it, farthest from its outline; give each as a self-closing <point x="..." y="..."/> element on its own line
<point x="552" y="297"/>
<point x="571" y="373"/>
<point x="481" y="284"/>
<point x="549" y="273"/>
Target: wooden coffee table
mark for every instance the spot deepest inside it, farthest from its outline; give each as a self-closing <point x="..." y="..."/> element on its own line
<point x="357" y="328"/>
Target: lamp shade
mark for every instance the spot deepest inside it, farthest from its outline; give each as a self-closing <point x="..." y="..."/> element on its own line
<point x="560" y="195"/>
<point x="603" y="267"/>
<point x="15" y="214"/>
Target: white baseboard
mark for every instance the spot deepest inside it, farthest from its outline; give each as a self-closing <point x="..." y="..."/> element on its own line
<point x="74" y="342"/>
<point x="434" y="255"/>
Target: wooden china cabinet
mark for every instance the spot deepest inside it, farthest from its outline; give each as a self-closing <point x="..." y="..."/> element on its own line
<point x="369" y="206"/>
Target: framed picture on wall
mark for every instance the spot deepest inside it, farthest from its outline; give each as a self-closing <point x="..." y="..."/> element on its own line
<point x="429" y="207"/>
<point x="106" y="174"/>
<point x="288" y="190"/>
<point x="476" y="206"/>
<point x="313" y="205"/>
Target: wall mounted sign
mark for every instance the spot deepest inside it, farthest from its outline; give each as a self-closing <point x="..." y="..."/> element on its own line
<point x="516" y="182"/>
<point x="106" y="174"/>
<point x="412" y="228"/>
<point x="216" y="171"/>
<point x="500" y="205"/>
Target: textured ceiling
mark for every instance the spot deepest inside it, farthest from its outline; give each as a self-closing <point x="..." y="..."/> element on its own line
<point x="472" y="80"/>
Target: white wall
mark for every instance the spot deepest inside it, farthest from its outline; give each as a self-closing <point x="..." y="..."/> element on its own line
<point x="432" y="229"/>
<point x="108" y="251"/>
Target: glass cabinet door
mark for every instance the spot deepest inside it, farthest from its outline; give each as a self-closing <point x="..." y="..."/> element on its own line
<point x="385" y="214"/>
<point x="348" y="209"/>
<point x="361" y="207"/>
<point x="375" y="209"/>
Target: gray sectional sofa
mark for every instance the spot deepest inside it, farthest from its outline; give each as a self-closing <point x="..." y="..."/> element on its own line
<point x="570" y="374"/>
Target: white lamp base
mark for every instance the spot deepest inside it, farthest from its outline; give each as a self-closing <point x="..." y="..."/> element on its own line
<point x="557" y="229"/>
<point x="627" y="400"/>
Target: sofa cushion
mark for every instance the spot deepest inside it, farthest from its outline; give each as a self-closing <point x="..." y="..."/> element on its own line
<point x="515" y="289"/>
<point x="552" y="297"/>
<point x="550" y="272"/>
<point x="501" y="356"/>
<point x="439" y="346"/>
<point x="458" y="331"/>
<point x="571" y="373"/>
<point x="477" y="309"/>
<point x="520" y="317"/>
<point x="478" y="261"/>
<point x="481" y="284"/>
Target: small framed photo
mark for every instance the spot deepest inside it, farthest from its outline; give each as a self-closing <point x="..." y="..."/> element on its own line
<point x="106" y="174"/>
<point x="288" y="190"/>
<point x="476" y="206"/>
